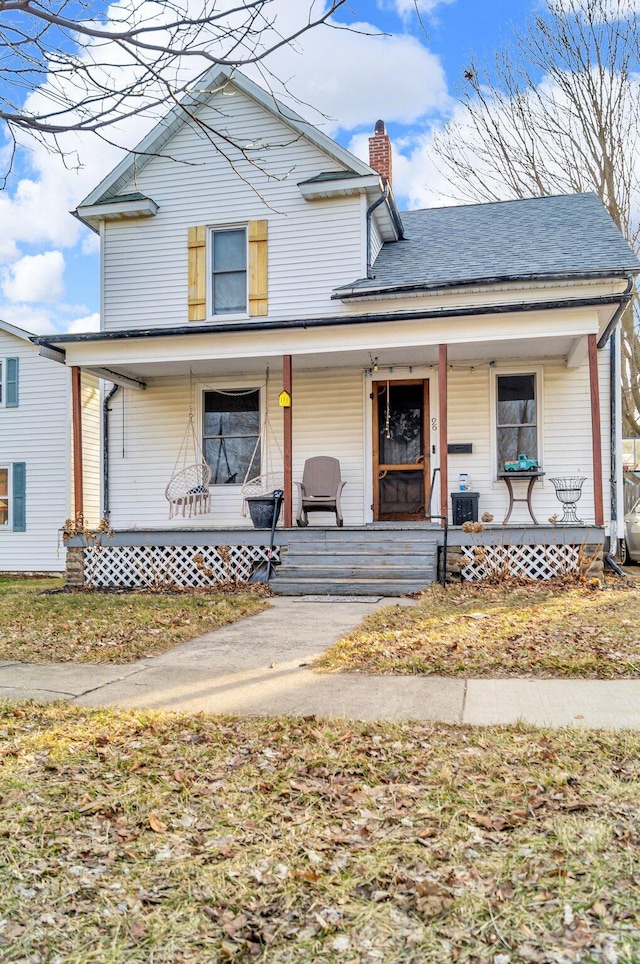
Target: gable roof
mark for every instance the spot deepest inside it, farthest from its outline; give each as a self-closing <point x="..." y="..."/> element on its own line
<point x="206" y="86"/>
<point x="13" y="330"/>
<point x="554" y="237"/>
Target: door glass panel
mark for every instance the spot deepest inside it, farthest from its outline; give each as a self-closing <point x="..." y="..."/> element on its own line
<point x="400" y="424"/>
<point x="402" y="492"/>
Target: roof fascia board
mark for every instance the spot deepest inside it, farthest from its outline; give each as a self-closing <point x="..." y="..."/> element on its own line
<point x="13" y="330"/>
<point x="351" y="293"/>
<point x="116" y="211"/>
<point x="211" y="82"/>
<point x="360" y="184"/>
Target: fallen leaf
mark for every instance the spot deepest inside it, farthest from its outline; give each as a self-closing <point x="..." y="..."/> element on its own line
<point x="156" y="823"/>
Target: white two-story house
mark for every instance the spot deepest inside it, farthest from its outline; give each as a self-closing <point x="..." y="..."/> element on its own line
<point x="264" y="302"/>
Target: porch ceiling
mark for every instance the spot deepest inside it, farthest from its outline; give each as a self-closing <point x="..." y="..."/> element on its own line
<point x="413" y="355"/>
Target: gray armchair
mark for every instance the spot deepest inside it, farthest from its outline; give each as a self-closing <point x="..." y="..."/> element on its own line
<point x="320" y="489"/>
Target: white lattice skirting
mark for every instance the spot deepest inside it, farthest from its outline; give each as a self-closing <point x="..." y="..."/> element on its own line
<point x="529" y="562"/>
<point x="129" y="567"/>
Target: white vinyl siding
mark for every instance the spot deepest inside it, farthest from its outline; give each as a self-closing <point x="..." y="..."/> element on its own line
<point x="36" y="433"/>
<point x="142" y="459"/>
<point x="565" y="431"/>
<point x="314" y="246"/>
<point x="91" y="448"/>
<point x="375" y="242"/>
<point x="328" y="419"/>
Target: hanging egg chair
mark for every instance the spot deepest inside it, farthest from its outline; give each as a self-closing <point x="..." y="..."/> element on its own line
<point x="188" y="491"/>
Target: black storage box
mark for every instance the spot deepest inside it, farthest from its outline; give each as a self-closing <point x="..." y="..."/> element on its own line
<point x="464" y="507"/>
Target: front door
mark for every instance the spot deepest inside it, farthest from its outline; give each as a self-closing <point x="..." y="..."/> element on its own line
<point x="400" y="449"/>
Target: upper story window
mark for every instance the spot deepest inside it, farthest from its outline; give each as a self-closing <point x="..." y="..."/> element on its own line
<point x="228" y="271"/>
<point x="517" y="417"/>
<point x="1" y="383"/>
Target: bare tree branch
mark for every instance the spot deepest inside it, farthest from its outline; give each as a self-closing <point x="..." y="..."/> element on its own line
<point x="81" y="67"/>
<point x="557" y="112"/>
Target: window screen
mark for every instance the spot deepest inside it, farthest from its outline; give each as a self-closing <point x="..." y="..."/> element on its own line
<point x="517" y="420"/>
<point x="231" y="441"/>
<point x="229" y="271"/>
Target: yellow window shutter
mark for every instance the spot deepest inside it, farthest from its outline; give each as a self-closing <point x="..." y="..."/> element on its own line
<point x="258" y="281"/>
<point x="197" y="273"/>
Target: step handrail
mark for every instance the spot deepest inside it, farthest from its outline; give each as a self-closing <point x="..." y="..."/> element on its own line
<point x="445" y="526"/>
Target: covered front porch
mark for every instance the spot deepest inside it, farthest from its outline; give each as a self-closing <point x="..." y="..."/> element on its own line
<point x="408" y="406"/>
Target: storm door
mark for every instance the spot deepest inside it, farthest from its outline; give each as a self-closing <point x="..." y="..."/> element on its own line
<point x="400" y="449"/>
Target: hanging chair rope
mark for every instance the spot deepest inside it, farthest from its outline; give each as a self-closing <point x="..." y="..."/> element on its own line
<point x="267" y="478"/>
<point x="188" y="488"/>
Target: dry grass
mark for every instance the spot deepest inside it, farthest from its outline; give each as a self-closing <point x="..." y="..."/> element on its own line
<point x="100" y="627"/>
<point x="470" y="631"/>
<point x="148" y="839"/>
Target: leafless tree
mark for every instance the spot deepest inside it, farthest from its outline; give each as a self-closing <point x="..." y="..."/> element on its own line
<point x="558" y="111"/>
<point x="90" y="66"/>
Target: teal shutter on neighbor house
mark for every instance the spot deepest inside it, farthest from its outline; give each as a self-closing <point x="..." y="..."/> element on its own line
<point x="11" y="382"/>
<point x="19" y="496"/>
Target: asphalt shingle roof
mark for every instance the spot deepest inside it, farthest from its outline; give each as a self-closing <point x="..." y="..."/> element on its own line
<point x="567" y="235"/>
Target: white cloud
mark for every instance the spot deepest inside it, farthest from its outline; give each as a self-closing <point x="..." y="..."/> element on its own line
<point x="371" y="75"/>
<point x="405" y="8"/>
<point x="35" y="278"/>
<point x="88" y="323"/>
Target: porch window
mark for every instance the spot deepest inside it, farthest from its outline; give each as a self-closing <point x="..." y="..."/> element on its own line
<point x="228" y="271"/>
<point x="4" y="496"/>
<point x="231" y="437"/>
<point x="516" y="418"/>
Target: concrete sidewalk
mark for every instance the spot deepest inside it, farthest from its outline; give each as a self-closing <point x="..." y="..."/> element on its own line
<point x="260" y="666"/>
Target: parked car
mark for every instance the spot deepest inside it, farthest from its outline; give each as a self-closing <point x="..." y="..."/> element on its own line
<point x="630" y="546"/>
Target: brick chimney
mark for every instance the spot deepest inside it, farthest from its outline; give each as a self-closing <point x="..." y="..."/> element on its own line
<point x="380" y="152"/>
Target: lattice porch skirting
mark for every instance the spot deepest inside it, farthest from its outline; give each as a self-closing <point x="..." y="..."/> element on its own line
<point x="524" y="561"/>
<point x="159" y="567"/>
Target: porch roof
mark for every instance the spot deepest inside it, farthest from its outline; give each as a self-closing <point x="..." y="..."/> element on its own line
<point x="557" y="327"/>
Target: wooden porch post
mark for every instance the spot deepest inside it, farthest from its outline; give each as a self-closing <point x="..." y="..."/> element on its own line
<point x="596" y="435"/>
<point x="288" y="443"/>
<point x="442" y="431"/>
<point x="76" y="421"/>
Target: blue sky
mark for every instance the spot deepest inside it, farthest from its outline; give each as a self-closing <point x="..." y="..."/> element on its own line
<point x="49" y="266"/>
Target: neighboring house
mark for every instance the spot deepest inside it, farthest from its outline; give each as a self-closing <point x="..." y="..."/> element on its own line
<point x="35" y="454"/>
<point x="415" y="348"/>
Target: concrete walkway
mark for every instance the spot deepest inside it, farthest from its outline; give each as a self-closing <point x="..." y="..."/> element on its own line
<point x="260" y="666"/>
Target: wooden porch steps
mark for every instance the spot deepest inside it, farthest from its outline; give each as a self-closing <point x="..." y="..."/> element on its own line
<point x="364" y="562"/>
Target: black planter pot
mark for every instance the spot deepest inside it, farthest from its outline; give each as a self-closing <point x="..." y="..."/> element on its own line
<point x="262" y="509"/>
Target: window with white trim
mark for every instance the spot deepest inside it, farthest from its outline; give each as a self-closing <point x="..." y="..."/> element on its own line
<point x="5" y="502"/>
<point x="516" y="417"/>
<point x="228" y="274"/>
<point x="231" y="434"/>
<point x="2" y="378"/>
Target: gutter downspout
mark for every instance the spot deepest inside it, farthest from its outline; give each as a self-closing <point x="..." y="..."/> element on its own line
<point x="613" y="483"/>
<point x="376" y="204"/>
<point x="611" y="333"/>
<point x="624" y="301"/>
<point x="105" y="451"/>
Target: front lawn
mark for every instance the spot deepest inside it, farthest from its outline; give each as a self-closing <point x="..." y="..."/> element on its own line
<point x="101" y="627"/>
<point x="472" y="631"/>
<point x="137" y="837"/>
